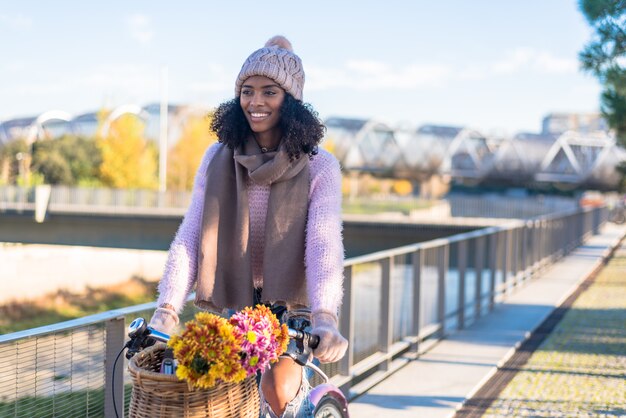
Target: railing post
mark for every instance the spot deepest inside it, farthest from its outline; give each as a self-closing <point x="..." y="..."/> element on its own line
<point x="493" y="267"/>
<point x="346" y="323"/>
<point x="536" y="245"/>
<point x="115" y="329"/>
<point x="528" y="249"/>
<point x="532" y="247"/>
<point x="569" y="233"/>
<point x="480" y="261"/>
<point x="554" y="243"/>
<point x="462" y="265"/>
<point x="553" y="225"/>
<point x="386" y="311"/>
<point x="562" y="236"/>
<point x="515" y="262"/>
<point x="556" y="235"/>
<point x="543" y="233"/>
<point x="541" y="229"/>
<point x="442" y="267"/>
<point x="582" y="230"/>
<point x="596" y="220"/>
<point x="575" y="234"/>
<point x="506" y="261"/>
<point x="525" y="267"/>
<point x="418" y="263"/>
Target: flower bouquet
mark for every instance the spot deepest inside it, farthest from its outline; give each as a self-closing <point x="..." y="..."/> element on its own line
<point x="213" y="349"/>
<point x="218" y="360"/>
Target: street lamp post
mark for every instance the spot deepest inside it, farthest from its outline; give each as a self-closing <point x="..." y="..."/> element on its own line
<point x="163" y="116"/>
<point x="20" y="166"/>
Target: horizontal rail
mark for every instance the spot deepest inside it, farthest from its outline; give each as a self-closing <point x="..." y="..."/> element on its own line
<point x="407" y="249"/>
<point x="84" y="321"/>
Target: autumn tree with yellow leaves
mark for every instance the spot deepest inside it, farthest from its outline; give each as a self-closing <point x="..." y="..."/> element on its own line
<point x="128" y="159"/>
<point x="185" y="157"/>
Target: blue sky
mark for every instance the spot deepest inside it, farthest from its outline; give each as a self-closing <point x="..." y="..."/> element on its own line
<point x="493" y="65"/>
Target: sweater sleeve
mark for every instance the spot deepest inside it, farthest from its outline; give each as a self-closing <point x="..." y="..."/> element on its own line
<point x="324" y="251"/>
<point x="179" y="275"/>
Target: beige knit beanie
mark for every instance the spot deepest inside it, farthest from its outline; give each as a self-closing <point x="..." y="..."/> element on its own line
<point x="277" y="61"/>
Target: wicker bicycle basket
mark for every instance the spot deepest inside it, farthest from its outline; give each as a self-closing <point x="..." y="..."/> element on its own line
<point x="160" y="395"/>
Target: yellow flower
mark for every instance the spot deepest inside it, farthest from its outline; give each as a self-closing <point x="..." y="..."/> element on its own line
<point x="208" y="351"/>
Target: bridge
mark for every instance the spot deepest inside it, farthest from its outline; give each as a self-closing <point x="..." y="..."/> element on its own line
<point x="402" y="306"/>
<point x="572" y="159"/>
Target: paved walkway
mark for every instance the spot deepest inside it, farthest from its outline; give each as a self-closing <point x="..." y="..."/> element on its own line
<point x="438" y="383"/>
<point x="580" y="368"/>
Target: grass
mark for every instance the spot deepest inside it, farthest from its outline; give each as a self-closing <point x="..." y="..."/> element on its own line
<point x="85" y="403"/>
<point x="580" y="369"/>
<point x="372" y="206"/>
<point x="64" y="305"/>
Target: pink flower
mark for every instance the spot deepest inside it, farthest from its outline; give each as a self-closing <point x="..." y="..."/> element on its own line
<point x="263" y="338"/>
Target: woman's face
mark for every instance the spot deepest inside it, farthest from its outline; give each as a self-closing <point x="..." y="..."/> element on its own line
<point x="261" y="99"/>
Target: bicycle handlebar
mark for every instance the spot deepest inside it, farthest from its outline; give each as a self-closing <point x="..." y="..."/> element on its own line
<point x="307" y="338"/>
<point x="142" y="336"/>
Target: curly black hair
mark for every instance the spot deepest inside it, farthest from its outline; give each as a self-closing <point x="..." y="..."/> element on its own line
<point x="300" y="124"/>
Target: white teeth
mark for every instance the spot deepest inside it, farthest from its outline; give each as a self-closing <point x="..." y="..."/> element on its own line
<point x="259" y="115"/>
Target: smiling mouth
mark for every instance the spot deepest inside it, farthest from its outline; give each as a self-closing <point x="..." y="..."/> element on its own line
<point x="258" y="116"/>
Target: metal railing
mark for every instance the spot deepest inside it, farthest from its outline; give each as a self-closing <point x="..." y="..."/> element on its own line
<point x="98" y="200"/>
<point x="397" y="304"/>
<point x="124" y="201"/>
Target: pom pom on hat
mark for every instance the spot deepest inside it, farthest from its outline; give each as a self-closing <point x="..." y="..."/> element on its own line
<point x="279" y="41"/>
<point x="277" y="61"/>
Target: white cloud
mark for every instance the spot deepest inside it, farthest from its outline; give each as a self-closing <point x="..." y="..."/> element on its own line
<point x="18" y="21"/>
<point x="472" y="72"/>
<point x="514" y="61"/>
<point x="525" y="59"/>
<point x="121" y="83"/>
<point x="366" y="75"/>
<point x="216" y="80"/>
<point x="14" y="66"/>
<point x="140" y="28"/>
<point x="132" y="78"/>
<point x="548" y="63"/>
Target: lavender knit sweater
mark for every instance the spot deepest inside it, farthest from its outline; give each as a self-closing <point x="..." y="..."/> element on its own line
<point x="324" y="246"/>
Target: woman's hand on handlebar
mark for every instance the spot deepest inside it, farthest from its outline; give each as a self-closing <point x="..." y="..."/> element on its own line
<point x="164" y="320"/>
<point x="332" y="346"/>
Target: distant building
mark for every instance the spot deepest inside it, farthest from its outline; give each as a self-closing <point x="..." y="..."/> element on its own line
<point x="558" y="123"/>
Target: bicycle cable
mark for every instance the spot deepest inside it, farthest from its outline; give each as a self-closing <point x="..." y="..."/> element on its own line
<point x="113" y="378"/>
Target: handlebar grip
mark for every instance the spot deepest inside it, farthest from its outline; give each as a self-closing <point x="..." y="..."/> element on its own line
<point x="314" y="341"/>
<point x="310" y="340"/>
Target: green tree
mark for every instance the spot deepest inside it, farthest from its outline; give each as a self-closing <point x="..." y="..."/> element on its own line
<point x="68" y="160"/>
<point x="128" y="160"/>
<point x="14" y="161"/>
<point x="605" y="57"/>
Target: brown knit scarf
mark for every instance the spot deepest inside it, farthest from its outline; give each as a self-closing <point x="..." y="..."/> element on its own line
<point x="224" y="268"/>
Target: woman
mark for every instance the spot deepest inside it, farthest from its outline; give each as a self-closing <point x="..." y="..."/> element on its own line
<point x="264" y="222"/>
